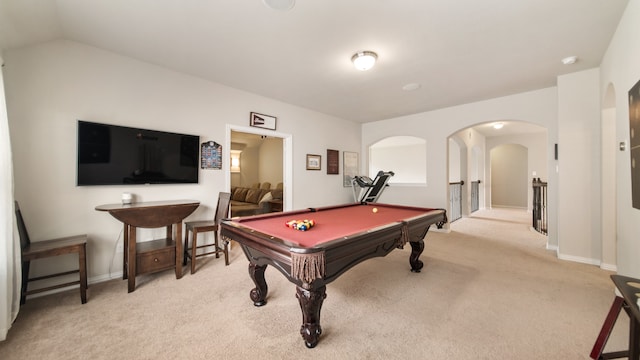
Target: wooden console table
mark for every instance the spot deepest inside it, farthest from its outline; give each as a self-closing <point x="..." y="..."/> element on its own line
<point x="155" y="255"/>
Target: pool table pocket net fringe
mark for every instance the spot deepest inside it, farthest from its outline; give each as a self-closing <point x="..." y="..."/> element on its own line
<point x="310" y="266"/>
<point x="307" y="267"/>
<point x="404" y="235"/>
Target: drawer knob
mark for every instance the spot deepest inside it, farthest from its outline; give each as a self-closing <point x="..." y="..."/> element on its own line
<point x="156" y="259"/>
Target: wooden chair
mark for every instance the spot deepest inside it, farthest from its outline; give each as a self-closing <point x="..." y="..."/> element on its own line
<point x="196" y="227"/>
<point x="50" y="248"/>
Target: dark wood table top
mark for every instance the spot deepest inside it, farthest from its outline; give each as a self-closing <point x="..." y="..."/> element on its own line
<point x="144" y="204"/>
<point x="151" y="214"/>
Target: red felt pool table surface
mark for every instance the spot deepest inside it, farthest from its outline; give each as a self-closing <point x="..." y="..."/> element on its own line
<point x="331" y="223"/>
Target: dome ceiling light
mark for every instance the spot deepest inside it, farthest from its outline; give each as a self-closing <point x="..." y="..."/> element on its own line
<point x="411" y="87"/>
<point x="570" y="60"/>
<point x="364" y="60"/>
<point x="280" y="5"/>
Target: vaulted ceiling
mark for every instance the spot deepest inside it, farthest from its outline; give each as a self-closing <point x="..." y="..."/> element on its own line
<point x="457" y="51"/>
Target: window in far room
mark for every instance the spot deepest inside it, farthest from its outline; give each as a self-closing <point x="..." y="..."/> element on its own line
<point x="406" y="156"/>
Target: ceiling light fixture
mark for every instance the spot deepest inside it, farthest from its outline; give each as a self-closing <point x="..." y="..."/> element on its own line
<point x="498" y="126"/>
<point x="280" y="5"/>
<point x="364" y="60"/>
<point x="411" y="87"/>
<point x="570" y="60"/>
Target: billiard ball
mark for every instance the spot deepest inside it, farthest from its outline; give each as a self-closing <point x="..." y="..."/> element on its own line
<point x="375" y="210"/>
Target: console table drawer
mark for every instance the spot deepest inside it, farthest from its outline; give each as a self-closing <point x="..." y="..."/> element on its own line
<point x="156" y="255"/>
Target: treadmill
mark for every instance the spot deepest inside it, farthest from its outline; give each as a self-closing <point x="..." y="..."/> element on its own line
<point x="370" y="190"/>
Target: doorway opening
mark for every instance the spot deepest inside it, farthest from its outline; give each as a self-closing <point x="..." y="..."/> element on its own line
<point x="263" y="157"/>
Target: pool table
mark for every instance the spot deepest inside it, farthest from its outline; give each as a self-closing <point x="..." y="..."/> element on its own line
<point x="342" y="237"/>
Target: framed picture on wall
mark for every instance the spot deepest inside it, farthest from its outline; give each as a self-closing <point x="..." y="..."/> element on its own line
<point x="350" y="167"/>
<point x="262" y="121"/>
<point x="210" y="155"/>
<point x="313" y="162"/>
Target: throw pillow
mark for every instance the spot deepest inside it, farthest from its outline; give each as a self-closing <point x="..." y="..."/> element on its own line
<point x="254" y="195"/>
<point x="239" y="194"/>
<point x="266" y="197"/>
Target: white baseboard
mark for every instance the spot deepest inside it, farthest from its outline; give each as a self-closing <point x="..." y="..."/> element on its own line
<point x="579" y="259"/>
<point x="603" y="266"/>
<point x="609" y="267"/>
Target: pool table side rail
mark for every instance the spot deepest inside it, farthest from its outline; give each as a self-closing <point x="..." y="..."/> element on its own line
<point x="231" y="230"/>
<point x="276" y="243"/>
<point x="242" y="219"/>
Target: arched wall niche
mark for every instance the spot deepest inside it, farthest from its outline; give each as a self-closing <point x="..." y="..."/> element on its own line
<point x="406" y="156"/>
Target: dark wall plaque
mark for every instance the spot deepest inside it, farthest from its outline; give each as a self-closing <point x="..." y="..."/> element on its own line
<point x="333" y="161"/>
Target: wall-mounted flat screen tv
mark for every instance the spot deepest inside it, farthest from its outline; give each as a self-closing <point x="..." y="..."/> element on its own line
<point x="119" y="155"/>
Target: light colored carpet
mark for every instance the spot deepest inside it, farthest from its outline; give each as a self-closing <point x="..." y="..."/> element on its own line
<point x="489" y="290"/>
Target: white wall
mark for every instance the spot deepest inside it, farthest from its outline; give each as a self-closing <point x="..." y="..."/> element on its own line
<point x="620" y="69"/>
<point x="249" y="166"/>
<point x="406" y="160"/>
<point x="509" y="185"/>
<point x="608" y="192"/>
<point x="271" y="160"/>
<point x="537" y="156"/>
<point x="260" y="161"/>
<point x="579" y="167"/>
<point x="49" y="86"/>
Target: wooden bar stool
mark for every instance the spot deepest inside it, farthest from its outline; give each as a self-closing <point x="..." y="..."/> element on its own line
<point x="196" y="227"/>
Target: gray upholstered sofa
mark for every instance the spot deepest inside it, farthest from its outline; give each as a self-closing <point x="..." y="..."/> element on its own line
<point x="252" y="201"/>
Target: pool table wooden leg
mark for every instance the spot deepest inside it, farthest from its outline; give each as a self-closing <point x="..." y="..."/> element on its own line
<point x="259" y="293"/>
<point x="310" y="304"/>
<point x="417" y="248"/>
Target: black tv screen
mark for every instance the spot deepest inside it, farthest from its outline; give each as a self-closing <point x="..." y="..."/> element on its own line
<point x="117" y="155"/>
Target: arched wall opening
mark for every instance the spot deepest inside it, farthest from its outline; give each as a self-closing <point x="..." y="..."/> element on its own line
<point x="478" y="141"/>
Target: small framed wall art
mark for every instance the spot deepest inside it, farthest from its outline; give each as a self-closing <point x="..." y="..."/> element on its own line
<point x="313" y="162"/>
<point x="350" y="167"/>
<point x="262" y="121"/>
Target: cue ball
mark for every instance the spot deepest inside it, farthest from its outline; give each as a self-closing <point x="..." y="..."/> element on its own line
<point x="375" y="210"/>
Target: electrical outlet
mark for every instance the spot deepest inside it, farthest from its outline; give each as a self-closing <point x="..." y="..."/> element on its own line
<point x="119" y="248"/>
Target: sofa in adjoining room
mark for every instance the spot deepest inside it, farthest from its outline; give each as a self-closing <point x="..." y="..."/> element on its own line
<point x="252" y="201"/>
